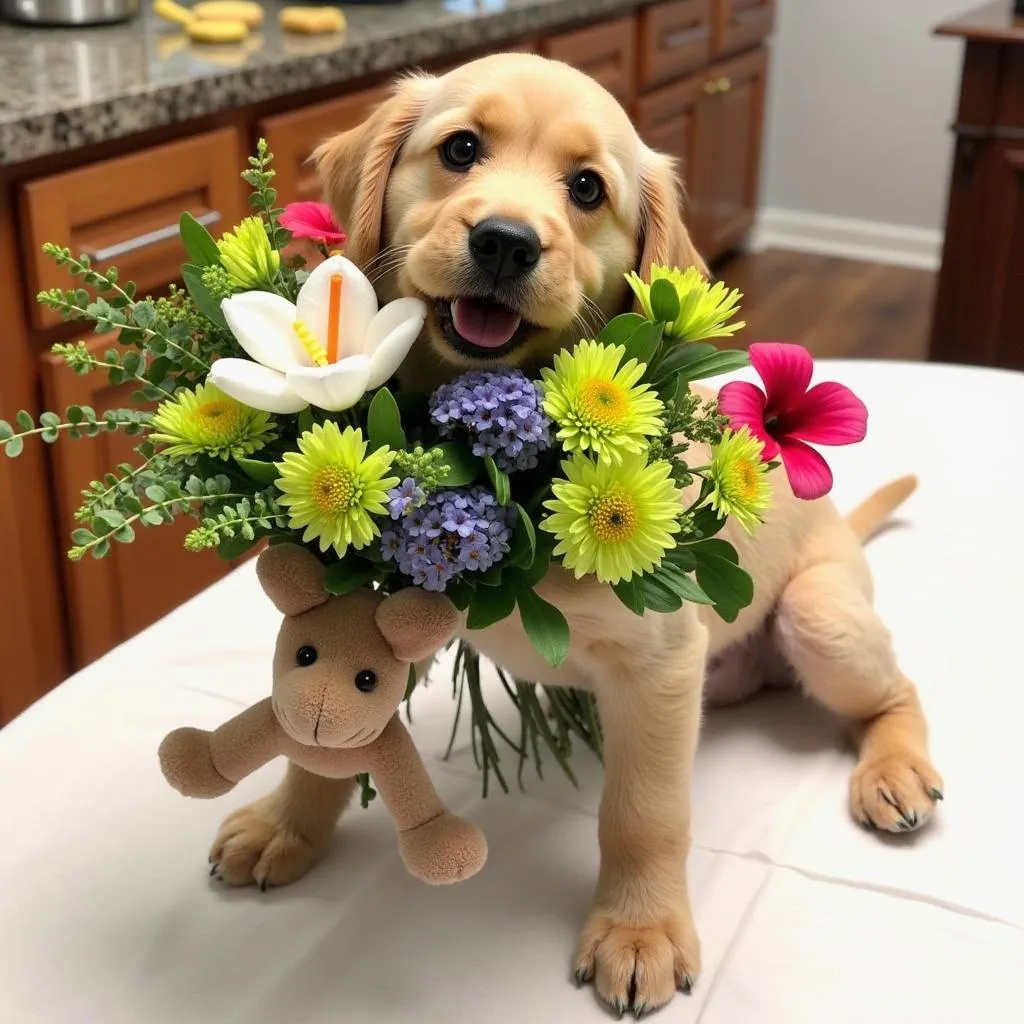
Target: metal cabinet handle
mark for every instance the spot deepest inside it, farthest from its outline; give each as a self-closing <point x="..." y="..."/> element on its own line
<point x="710" y="88"/>
<point x="685" y="37"/>
<point x="724" y="84"/>
<point x="112" y="252"/>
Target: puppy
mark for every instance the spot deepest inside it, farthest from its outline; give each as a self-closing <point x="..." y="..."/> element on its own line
<point x="512" y="195"/>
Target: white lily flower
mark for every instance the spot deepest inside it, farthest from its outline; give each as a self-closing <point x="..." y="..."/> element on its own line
<point x="327" y="349"/>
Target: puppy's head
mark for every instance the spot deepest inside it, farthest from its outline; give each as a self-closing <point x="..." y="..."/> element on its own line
<point x="512" y="195"/>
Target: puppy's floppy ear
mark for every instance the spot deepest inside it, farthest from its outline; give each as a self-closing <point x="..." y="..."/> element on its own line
<point x="354" y="166"/>
<point x="663" y="235"/>
<point x="415" y="623"/>
<point x="292" y="578"/>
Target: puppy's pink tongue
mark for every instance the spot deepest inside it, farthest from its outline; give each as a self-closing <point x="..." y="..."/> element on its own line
<point x="485" y="324"/>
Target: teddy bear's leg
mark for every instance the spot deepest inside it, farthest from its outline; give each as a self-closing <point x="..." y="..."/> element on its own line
<point x="277" y="839"/>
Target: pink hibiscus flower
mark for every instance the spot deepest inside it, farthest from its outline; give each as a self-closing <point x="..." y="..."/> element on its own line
<point x="314" y="221"/>
<point x="787" y="414"/>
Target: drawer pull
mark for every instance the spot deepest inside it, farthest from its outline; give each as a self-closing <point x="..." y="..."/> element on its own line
<point x="710" y="88"/>
<point x="724" y="84"/>
<point x="685" y="37"/>
<point x="112" y="252"/>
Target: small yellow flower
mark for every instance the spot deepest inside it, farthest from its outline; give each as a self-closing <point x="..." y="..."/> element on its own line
<point x="208" y="422"/>
<point x="332" y="488"/>
<point x="614" y="521"/>
<point x="704" y="308"/>
<point x="247" y="255"/>
<point x="738" y="474"/>
<point x="597" y="404"/>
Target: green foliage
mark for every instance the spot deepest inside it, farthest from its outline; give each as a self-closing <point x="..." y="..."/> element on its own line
<point x="384" y="422"/>
<point x="245" y="522"/>
<point x="463" y="466"/>
<point x="78" y="421"/>
<point x="545" y="625"/>
<point x="264" y="196"/>
<point x="198" y="242"/>
<point x="499" y="481"/>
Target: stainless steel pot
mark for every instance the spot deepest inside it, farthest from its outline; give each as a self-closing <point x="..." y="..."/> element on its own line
<point x="69" y="12"/>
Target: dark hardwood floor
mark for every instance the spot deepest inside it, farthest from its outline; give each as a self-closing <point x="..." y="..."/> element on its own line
<point x="838" y="308"/>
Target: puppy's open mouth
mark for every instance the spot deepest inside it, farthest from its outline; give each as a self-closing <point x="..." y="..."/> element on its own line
<point x="480" y="328"/>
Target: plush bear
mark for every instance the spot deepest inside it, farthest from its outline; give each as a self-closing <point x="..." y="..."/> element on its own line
<point x="340" y="672"/>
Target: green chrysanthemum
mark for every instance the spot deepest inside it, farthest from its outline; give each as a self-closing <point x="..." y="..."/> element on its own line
<point x="704" y="308"/>
<point x="597" y="403"/>
<point x="208" y="422"/>
<point x="615" y="521"/>
<point x="332" y="488"/>
<point x="738" y="473"/>
<point x="247" y="255"/>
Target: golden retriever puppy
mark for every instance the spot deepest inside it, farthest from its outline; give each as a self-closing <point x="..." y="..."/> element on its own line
<point x="513" y="195"/>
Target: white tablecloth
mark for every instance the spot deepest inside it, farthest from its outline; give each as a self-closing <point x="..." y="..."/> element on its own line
<point x="107" y="913"/>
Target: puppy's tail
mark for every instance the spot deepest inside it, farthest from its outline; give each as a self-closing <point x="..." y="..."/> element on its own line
<point x="868" y="517"/>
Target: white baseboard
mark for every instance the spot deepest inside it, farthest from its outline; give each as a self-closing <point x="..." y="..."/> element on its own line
<point x="873" y="241"/>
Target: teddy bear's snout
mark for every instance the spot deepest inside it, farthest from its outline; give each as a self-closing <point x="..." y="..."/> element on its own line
<point x="316" y="714"/>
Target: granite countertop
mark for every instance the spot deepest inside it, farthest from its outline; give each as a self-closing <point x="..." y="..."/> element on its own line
<point x="67" y="88"/>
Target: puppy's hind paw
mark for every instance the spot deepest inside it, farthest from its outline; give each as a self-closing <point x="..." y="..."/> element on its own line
<point x="895" y="793"/>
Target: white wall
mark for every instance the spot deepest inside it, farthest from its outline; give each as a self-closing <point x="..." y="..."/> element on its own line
<point x="857" y="146"/>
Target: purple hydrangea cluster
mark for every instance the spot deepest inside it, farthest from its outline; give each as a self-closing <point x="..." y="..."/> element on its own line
<point x="501" y="411"/>
<point x="453" y="531"/>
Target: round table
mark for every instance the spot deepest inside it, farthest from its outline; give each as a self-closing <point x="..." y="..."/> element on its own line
<point x="107" y="913"/>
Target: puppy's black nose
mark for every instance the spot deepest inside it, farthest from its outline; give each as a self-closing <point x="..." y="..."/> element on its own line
<point x="505" y="249"/>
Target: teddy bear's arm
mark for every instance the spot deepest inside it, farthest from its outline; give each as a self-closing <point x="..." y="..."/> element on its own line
<point x="208" y="764"/>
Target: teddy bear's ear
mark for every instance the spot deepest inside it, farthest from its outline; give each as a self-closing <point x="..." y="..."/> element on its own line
<point x="416" y="622"/>
<point x="292" y="578"/>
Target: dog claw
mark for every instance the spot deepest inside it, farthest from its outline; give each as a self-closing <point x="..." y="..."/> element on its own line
<point x="936" y="794"/>
<point x="686" y="985"/>
<point x="619" y="1008"/>
<point x="263" y="883"/>
<point x="582" y="976"/>
<point x="213" y="870"/>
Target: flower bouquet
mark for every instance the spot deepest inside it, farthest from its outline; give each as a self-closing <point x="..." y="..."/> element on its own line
<point x="281" y="416"/>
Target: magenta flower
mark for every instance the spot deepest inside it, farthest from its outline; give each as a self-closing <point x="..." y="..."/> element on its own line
<point x="787" y="414"/>
<point x="314" y="221"/>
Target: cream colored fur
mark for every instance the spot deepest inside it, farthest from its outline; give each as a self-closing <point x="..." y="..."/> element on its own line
<point x="813" y="588"/>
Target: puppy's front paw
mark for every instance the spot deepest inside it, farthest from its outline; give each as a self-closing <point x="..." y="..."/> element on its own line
<point x="638" y="967"/>
<point x="254" y="845"/>
<point x="896" y="793"/>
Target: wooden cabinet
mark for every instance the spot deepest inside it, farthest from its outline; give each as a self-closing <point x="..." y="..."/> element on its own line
<point x="979" y="307"/>
<point x="292" y="137"/>
<point x="739" y="24"/>
<point x="674" y="38"/>
<point x="606" y="52"/>
<point x="667" y="122"/>
<point x="124" y="212"/>
<point x="723" y="183"/>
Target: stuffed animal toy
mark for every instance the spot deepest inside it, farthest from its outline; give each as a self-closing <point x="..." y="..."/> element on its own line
<point x="340" y="672"/>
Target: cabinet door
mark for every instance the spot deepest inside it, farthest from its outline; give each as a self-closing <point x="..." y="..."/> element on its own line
<point x="739" y="24"/>
<point x="730" y="113"/>
<point x="606" y="52"/>
<point x="113" y="598"/>
<point x="292" y="137"/>
<point x="673" y="39"/>
<point x="667" y="121"/>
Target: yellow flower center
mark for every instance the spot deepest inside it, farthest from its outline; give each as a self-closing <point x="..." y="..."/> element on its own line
<point x="744" y="480"/>
<point x="334" y="491"/>
<point x="603" y="401"/>
<point x="613" y="518"/>
<point x="218" y="420"/>
<point x="313" y="348"/>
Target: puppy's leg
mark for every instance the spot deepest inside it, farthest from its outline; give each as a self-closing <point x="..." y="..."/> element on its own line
<point x="639" y="942"/>
<point x="277" y="839"/>
<point x="843" y="655"/>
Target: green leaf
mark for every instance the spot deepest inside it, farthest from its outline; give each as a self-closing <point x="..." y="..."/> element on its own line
<point x="344" y="577"/>
<point x="529" y="576"/>
<point x="681" y="354"/>
<point x="729" y="586"/>
<point x="6" y="430"/>
<point x="463" y="465"/>
<point x="261" y="472"/>
<point x="101" y="550"/>
<point x="643" y="343"/>
<point x="620" y="328"/>
<point x="631" y="593"/>
<point x="664" y="301"/>
<point x="659" y="596"/>
<point x="680" y="584"/>
<point x="81" y="536"/>
<point x="49" y="419"/>
<point x="490" y="605"/>
<point x="198" y="242"/>
<point x="144" y="315"/>
<point x="499" y="479"/>
<point x="524" y="540"/>
<point x="460" y="593"/>
<point x="156" y="493"/>
<point x="208" y="305"/>
<point x="384" y="422"/>
<point x="75" y="414"/>
<point x="721" y="548"/>
<point x="711" y="366"/>
<point x="682" y="558"/>
<point x="25" y="420"/>
<point x="125" y="534"/>
<point x="111" y="518"/>
<point x="410" y="683"/>
<point x="707" y="522"/>
<point x="546" y="627"/>
<point x="234" y="547"/>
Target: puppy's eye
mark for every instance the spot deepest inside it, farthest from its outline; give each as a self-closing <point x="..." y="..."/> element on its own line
<point x="460" y="151"/>
<point x="305" y="656"/>
<point x="366" y="681"/>
<point x="586" y="189"/>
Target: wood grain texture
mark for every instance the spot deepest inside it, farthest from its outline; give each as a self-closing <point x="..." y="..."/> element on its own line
<point x="994" y="22"/>
<point x="605" y="51"/>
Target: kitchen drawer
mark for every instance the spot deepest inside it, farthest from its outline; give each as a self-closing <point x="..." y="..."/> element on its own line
<point x="292" y="137"/>
<point x="606" y="52"/>
<point x="740" y="24"/>
<point x="125" y="211"/>
<point x="111" y="599"/>
<point x="667" y="121"/>
<point x="674" y="38"/>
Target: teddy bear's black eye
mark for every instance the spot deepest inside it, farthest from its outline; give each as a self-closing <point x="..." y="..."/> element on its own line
<point x="305" y="656"/>
<point x="366" y="681"/>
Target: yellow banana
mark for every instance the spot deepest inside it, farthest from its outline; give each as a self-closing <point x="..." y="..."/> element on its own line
<point x="216" y="31"/>
<point x="312" y="21"/>
<point x="170" y="11"/>
<point x="229" y="10"/>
